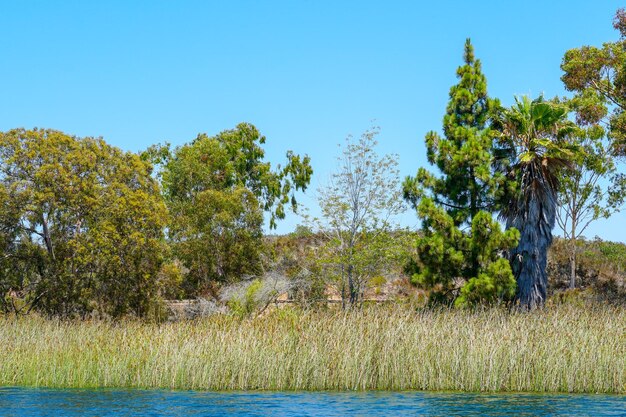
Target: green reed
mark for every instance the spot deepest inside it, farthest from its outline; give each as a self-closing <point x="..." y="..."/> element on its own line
<point x="557" y="349"/>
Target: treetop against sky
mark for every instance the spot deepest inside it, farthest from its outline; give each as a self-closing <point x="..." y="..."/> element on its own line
<point x="306" y="73"/>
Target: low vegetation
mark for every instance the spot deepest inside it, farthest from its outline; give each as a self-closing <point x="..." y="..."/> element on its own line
<point x="556" y="349"/>
<point x="600" y="269"/>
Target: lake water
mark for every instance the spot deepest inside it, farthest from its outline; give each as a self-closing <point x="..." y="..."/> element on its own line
<point x="27" y="402"/>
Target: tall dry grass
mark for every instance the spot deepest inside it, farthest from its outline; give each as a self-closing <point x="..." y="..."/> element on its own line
<point x="564" y="349"/>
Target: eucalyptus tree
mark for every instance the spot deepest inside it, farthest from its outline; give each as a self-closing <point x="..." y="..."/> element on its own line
<point x="217" y="189"/>
<point x="598" y="75"/>
<point x="534" y="152"/>
<point x="594" y="189"/>
<point x="81" y="226"/>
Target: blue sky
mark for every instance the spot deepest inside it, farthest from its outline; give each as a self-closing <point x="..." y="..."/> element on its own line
<point x="306" y="73"/>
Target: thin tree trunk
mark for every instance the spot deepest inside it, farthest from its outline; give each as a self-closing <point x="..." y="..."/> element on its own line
<point x="343" y="288"/>
<point x="572" y="255"/>
<point x="572" y="266"/>
<point x="352" y="287"/>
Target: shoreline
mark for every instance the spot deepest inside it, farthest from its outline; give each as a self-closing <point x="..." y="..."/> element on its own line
<point x="294" y="392"/>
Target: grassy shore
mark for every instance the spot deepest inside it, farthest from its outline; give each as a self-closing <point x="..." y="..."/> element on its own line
<point x="564" y="349"/>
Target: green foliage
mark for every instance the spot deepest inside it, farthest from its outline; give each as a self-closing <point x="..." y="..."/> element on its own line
<point x="217" y="189"/>
<point x="378" y="281"/>
<point x="170" y="279"/>
<point x="302" y="231"/>
<point x="217" y="236"/>
<point x="445" y="252"/>
<point x="598" y="76"/>
<point x="249" y="303"/>
<point x="358" y="208"/>
<point x="232" y="158"/>
<point x="465" y="195"/>
<point x="81" y="226"/>
<point x="592" y="190"/>
<point x="440" y="249"/>
<point x="495" y="285"/>
<point x="463" y="156"/>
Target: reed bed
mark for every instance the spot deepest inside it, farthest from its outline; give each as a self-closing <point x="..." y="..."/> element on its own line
<point x="558" y="349"/>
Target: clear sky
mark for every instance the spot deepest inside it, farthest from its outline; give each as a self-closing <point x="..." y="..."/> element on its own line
<point x="306" y="73"/>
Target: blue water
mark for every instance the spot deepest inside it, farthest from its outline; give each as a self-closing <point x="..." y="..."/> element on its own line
<point x="27" y="402"/>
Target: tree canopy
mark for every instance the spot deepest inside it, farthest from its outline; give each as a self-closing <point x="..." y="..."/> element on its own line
<point x="598" y="77"/>
<point x="593" y="189"/>
<point x="81" y="226"/>
<point x="216" y="189"/>
<point x="230" y="159"/>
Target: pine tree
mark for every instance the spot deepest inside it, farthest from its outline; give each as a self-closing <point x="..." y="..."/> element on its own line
<point x="455" y="207"/>
<point x="463" y="156"/>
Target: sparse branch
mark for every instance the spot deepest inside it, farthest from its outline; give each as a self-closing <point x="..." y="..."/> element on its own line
<point x="357" y="206"/>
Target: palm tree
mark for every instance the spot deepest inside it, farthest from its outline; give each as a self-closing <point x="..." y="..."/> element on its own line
<point x="532" y="152"/>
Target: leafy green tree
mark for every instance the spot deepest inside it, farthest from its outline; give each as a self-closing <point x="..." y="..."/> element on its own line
<point x="217" y="189"/>
<point x="592" y="190"/>
<point x="218" y="237"/>
<point x="534" y="140"/>
<point x="598" y="76"/>
<point x="595" y="188"/>
<point x="358" y="209"/>
<point x="462" y="198"/>
<point x="81" y="226"/>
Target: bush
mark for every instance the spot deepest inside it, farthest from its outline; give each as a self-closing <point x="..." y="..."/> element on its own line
<point x="601" y="268"/>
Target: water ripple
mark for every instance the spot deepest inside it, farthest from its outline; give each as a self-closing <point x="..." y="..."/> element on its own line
<point x="31" y="402"/>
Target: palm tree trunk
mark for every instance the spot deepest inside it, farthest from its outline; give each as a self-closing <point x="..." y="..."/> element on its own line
<point x="529" y="260"/>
